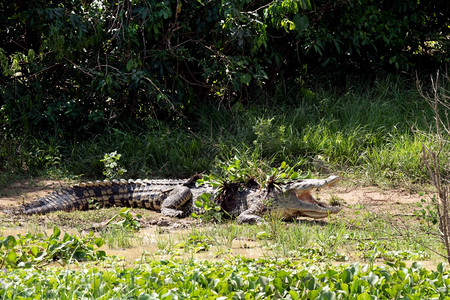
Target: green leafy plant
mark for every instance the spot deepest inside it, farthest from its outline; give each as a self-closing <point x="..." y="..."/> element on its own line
<point x="196" y="242"/>
<point x="112" y="168"/>
<point x="271" y="139"/>
<point x="121" y="233"/>
<point x="427" y="211"/>
<point x="241" y="168"/>
<point x="25" y="251"/>
<point x="233" y="278"/>
<point x="284" y="173"/>
<point x="207" y="209"/>
<point x="330" y="237"/>
<point x="237" y="174"/>
<point x="128" y="221"/>
<point x="252" y="171"/>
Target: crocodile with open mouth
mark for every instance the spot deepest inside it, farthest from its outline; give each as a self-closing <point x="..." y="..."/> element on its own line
<point x="175" y="198"/>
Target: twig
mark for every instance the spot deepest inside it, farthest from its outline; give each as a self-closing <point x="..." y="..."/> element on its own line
<point x="438" y="100"/>
<point x="79" y="68"/>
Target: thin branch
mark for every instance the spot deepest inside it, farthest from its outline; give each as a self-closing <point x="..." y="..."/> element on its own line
<point x="431" y="158"/>
<point x="79" y="67"/>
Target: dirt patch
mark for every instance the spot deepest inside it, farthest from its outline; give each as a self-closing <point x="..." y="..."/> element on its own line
<point x="27" y="190"/>
<point x="375" y="199"/>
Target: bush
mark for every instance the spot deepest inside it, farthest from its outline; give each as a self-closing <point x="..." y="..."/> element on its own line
<point x="70" y="67"/>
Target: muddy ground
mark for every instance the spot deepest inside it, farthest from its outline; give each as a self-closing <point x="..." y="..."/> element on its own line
<point x="397" y="202"/>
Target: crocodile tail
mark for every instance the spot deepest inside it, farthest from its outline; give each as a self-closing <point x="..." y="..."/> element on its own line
<point x="125" y="193"/>
<point x="62" y="200"/>
<point x="78" y="197"/>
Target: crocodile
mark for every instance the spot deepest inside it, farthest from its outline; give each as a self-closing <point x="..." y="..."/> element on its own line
<point x="176" y="198"/>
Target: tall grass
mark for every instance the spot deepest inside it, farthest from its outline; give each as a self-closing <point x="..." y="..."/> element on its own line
<point x="367" y="130"/>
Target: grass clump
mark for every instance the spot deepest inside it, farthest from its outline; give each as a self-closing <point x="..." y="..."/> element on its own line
<point x="118" y="237"/>
<point x="120" y="233"/>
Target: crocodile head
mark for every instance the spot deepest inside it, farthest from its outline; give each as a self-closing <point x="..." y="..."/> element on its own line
<point x="294" y="199"/>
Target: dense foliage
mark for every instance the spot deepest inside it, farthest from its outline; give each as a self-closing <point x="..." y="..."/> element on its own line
<point x="171" y="84"/>
<point x="235" y="279"/>
<point x="72" y="67"/>
<point x="26" y="251"/>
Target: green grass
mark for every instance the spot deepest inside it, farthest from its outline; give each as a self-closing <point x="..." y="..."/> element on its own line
<point x="118" y="237"/>
<point x="366" y="131"/>
<point x="359" y="235"/>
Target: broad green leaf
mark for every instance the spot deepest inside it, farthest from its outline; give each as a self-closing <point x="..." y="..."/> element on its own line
<point x="34" y="250"/>
<point x="313" y="295"/>
<point x="278" y="284"/>
<point x="167" y="296"/>
<point x="31" y="55"/>
<point x="301" y="23"/>
<point x="245" y="78"/>
<point x="417" y="265"/>
<point x="401" y="274"/>
<point x="346" y="276"/>
<point x="344" y="287"/>
<point x="363" y="296"/>
<point x="215" y="184"/>
<point x="263" y="280"/>
<point x="101" y="254"/>
<point x="99" y="242"/>
<point x="372" y="278"/>
<point x="328" y="295"/>
<point x="9" y="242"/>
<point x="312" y="284"/>
<point x="145" y="297"/>
<point x="294" y="295"/>
<point x="56" y="233"/>
<point x="441" y="267"/>
<point x="130" y="65"/>
<point x="11" y="257"/>
<point x="124" y="210"/>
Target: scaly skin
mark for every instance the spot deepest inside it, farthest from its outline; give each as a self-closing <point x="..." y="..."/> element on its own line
<point x="174" y="198"/>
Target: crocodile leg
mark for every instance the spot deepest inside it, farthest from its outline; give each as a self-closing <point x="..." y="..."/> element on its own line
<point x="177" y="198"/>
<point x="251" y="215"/>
